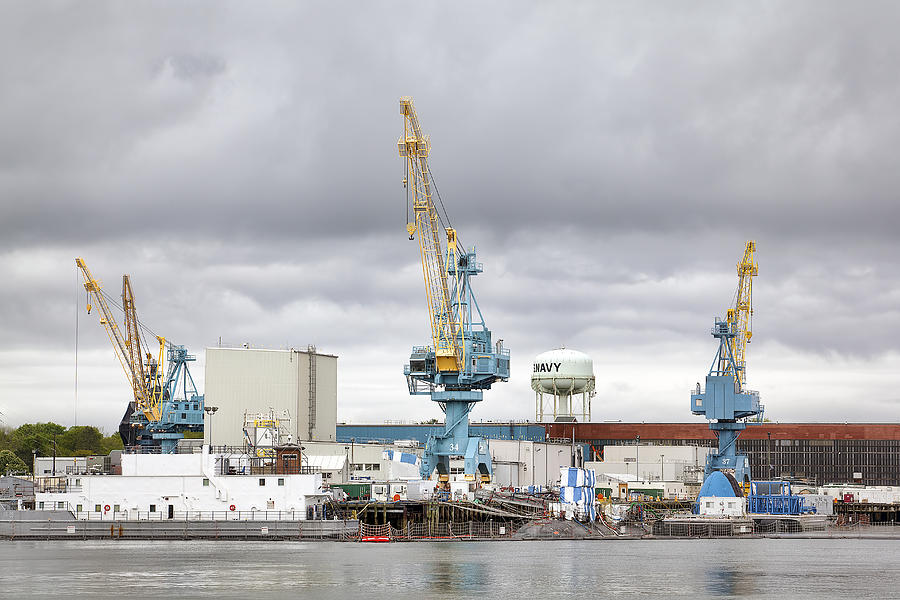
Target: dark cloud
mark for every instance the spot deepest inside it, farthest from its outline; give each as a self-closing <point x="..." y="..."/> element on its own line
<point x="609" y="160"/>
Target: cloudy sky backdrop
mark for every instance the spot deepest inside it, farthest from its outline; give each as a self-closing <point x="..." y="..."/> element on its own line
<point x="608" y="159"/>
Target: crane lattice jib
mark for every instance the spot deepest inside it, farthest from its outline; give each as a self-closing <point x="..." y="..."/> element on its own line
<point x="741" y="314"/>
<point x="415" y="146"/>
<point x="120" y="345"/>
<point x="149" y="375"/>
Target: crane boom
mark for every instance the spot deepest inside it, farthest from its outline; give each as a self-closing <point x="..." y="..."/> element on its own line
<point x="445" y="323"/>
<point x="127" y="348"/>
<point x="742" y="312"/>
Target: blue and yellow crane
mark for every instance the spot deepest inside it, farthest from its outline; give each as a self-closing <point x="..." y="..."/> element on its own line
<point x="166" y="404"/>
<point x="726" y="402"/>
<point x="462" y="361"/>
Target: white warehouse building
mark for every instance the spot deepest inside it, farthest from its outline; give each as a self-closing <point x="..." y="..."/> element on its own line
<point x="253" y="380"/>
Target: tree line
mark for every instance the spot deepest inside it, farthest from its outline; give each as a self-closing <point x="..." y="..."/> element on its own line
<point x="18" y="446"/>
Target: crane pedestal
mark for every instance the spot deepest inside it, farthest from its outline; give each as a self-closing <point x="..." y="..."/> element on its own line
<point x="455" y="439"/>
<point x="723" y="406"/>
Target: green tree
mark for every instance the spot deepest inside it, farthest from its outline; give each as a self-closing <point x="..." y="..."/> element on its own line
<point x="10" y="463"/>
<point x="110" y="443"/>
<point x="35" y="437"/>
<point x="81" y="440"/>
<point x="5" y="438"/>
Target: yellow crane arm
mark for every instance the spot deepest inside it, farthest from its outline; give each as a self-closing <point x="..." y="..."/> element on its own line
<point x="741" y="314"/>
<point x="150" y="373"/>
<point x="124" y="347"/>
<point x="415" y="147"/>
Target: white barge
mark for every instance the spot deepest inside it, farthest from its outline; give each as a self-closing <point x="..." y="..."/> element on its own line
<point x="225" y="484"/>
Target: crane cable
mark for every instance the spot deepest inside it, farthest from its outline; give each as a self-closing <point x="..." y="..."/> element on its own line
<point x="460" y="248"/>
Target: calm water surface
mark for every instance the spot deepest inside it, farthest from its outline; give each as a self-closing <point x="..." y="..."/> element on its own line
<point x="783" y="568"/>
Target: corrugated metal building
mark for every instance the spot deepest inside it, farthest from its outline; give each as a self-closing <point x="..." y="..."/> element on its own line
<point x="253" y="380"/>
<point x="821" y="453"/>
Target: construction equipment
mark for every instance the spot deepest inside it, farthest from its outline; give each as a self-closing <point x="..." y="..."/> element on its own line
<point x="462" y="360"/>
<point x="725" y="401"/>
<point x="163" y="409"/>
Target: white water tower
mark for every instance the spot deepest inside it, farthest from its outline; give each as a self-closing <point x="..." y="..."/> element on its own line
<point x="560" y="375"/>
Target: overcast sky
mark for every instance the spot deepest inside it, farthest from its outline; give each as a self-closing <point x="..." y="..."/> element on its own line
<point x="608" y="160"/>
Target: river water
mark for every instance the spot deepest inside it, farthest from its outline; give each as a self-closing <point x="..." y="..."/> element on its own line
<point x="711" y="568"/>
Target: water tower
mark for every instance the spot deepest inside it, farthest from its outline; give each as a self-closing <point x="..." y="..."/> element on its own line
<point x="560" y="375"/>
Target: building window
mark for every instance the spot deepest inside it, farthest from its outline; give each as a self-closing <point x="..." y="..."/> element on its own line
<point x="205" y="482"/>
<point x="60" y="505"/>
<point x="281" y="481"/>
<point x="78" y="508"/>
<point x="326" y="475"/>
<point x="77" y="482"/>
<point x="40" y="506"/>
<point x="97" y="508"/>
<point x="152" y="507"/>
<point x="262" y="482"/>
<point x="183" y="416"/>
<point x="115" y="508"/>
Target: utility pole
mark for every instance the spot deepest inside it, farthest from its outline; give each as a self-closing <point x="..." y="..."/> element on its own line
<point x="54" y="454"/>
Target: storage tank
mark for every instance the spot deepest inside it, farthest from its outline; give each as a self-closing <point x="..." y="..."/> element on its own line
<point x="561" y="374"/>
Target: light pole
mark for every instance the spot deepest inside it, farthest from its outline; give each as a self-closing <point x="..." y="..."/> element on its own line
<point x="662" y="467"/>
<point x="210" y="411"/>
<point x="349" y="465"/>
<point x="637" y="462"/>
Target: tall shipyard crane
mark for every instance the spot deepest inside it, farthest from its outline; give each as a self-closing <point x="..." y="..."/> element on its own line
<point x="726" y="402"/>
<point x="461" y="361"/>
<point x="164" y="407"/>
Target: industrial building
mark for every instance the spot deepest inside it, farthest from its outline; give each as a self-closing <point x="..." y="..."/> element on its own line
<point x="299" y="386"/>
<point x="516" y="462"/>
<point x="819" y="453"/>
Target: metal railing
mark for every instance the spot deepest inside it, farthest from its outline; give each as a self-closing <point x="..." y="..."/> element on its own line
<point x="464" y="530"/>
<point x="195" y="515"/>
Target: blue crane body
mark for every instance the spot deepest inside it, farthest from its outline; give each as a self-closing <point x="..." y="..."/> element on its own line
<point x="458" y="392"/>
<point x="724" y="403"/>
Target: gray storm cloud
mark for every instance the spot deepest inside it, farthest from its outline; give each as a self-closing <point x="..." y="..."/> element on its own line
<point x="607" y="159"/>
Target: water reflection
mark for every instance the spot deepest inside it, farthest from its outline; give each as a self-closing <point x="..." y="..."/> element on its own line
<point x="729" y="581"/>
<point x="450" y="575"/>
